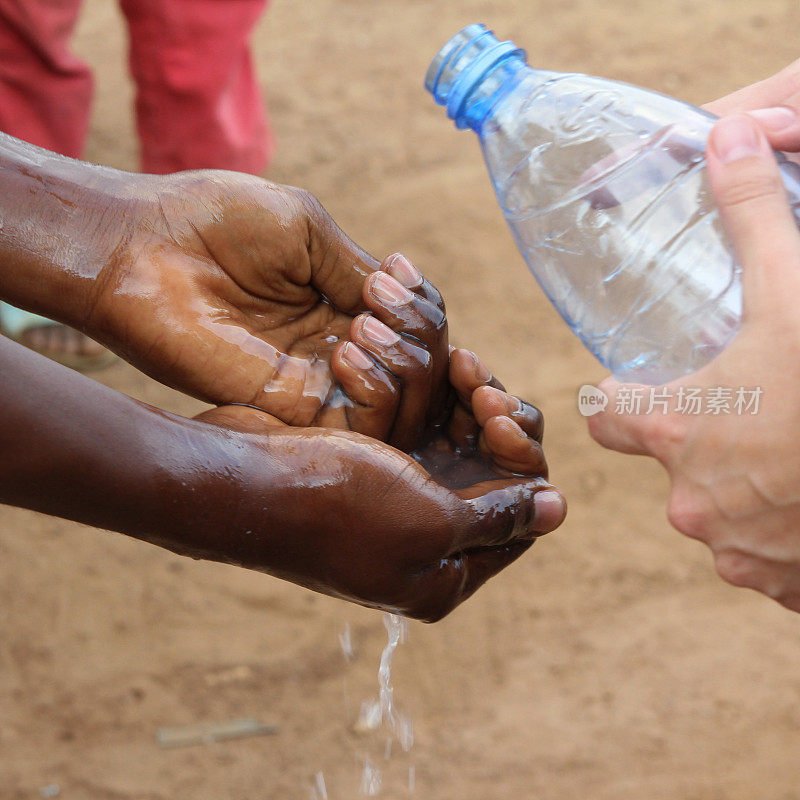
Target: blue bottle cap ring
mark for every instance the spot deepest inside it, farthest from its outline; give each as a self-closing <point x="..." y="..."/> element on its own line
<point x="475" y="71"/>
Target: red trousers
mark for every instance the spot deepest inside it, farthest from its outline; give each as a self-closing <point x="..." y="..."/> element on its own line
<point x="197" y="101"/>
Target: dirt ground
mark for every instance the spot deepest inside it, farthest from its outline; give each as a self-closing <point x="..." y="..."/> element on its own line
<point x="608" y="663"/>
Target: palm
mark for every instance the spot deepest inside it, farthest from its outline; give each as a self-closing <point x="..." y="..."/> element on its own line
<point x="456" y="468"/>
<point x="420" y="551"/>
<point x="233" y="297"/>
<point x="454" y="456"/>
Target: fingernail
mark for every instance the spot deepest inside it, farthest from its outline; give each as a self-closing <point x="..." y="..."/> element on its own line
<point x="515" y="428"/>
<point x="379" y="333"/>
<point x="386" y="288"/>
<point x="735" y="138"/>
<point x="775" y="119"/>
<point x="549" y="510"/>
<point x="405" y="272"/>
<point x="356" y="357"/>
<point x="512" y="404"/>
<point x="482" y="372"/>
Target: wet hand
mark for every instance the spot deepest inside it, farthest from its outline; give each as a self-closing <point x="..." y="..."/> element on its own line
<point x="449" y="412"/>
<point x="352" y="517"/>
<point x="393" y="370"/>
<point x="234" y="289"/>
<point x="488" y="433"/>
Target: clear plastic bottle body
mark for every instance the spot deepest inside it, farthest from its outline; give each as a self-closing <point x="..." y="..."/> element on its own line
<point x="604" y="187"/>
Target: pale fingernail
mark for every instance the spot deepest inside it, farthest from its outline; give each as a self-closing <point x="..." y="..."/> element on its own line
<point x="379" y="333"/>
<point x="405" y="272"/>
<point x="356" y="357"/>
<point x="482" y="372"/>
<point x="775" y="119"/>
<point x="549" y="510"/>
<point x="386" y="288"/>
<point x="734" y="138"/>
<point x="512" y="426"/>
<point x="512" y="404"/>
<point x="491" y="391"/>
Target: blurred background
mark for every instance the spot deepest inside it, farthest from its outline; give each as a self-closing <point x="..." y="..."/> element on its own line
<point x="610" y="662"/>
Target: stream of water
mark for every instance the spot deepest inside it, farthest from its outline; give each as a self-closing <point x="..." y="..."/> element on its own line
<point x="378" y="714"/>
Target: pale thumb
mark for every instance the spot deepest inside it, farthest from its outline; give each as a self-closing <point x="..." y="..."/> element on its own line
<point x="751" y="197"/>
<point x="625" y="424"/>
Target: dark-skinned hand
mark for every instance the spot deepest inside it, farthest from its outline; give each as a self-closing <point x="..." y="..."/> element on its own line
<point x="384" y="531"/>
<point x="237" y="290"/>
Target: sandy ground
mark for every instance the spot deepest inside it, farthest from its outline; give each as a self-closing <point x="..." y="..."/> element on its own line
<point x="609" y="663"/>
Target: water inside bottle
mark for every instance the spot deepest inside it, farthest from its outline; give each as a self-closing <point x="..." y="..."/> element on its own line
<point x="604" y="188"/>
<point x="613" y="213"/>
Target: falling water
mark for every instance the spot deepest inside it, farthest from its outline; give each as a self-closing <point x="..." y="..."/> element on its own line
<point x="378" y="713"/>
<point x="383" y="712"/>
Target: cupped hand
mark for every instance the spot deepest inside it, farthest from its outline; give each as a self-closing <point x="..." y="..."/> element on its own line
<point x="354" y="518"/>
<point x="735" y="472"/>
<point x="236" y="290"/>
<point x="481" y="431"/>
<point x="488" y="434"/>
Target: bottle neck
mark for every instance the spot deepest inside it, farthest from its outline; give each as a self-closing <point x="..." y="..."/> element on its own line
<point x="477" y="106"/>
<point x="472" y="72"/>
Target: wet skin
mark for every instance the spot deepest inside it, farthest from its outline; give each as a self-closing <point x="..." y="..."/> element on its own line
<point x="240" y="291"/>
<point x="221" y="285"/>
<point x="331" y="510"/>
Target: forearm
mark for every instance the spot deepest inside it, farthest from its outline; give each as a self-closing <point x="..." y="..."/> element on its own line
<point x="62" y="221"/>
<point x="78" y="450"/>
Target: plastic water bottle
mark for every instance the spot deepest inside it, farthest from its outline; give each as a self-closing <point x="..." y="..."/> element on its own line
<point x="604" y="187"/>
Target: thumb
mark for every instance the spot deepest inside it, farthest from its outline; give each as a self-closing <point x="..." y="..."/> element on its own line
<point x="339" y="266"/>
<point x="749" y="191"/>
<point x="626" y="424"/>
<point x="501" y="511"/>
<point x="781" y="124"/>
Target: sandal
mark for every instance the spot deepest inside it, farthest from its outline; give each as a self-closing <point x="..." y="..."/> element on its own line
<point x="18" y="325"/>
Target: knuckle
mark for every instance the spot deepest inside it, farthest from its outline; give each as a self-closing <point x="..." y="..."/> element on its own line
<point x="539" y="466"/>
<point x="423" y="360"/>
<point x="304" y="198"/>
<point x="519" y="518"/>
<point x="752" y="184"/>
<point x="432" y="295"/>
<point x="412" y="361"/>
<point x="690" y="513"/>
<point x="431" y="319"/>
<point x="736" y="568"/>
<point x="504" y="517"/>
<point x="534" y="421"/>
<point x="665" y="434"/>
<point x="317" y="218"/>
